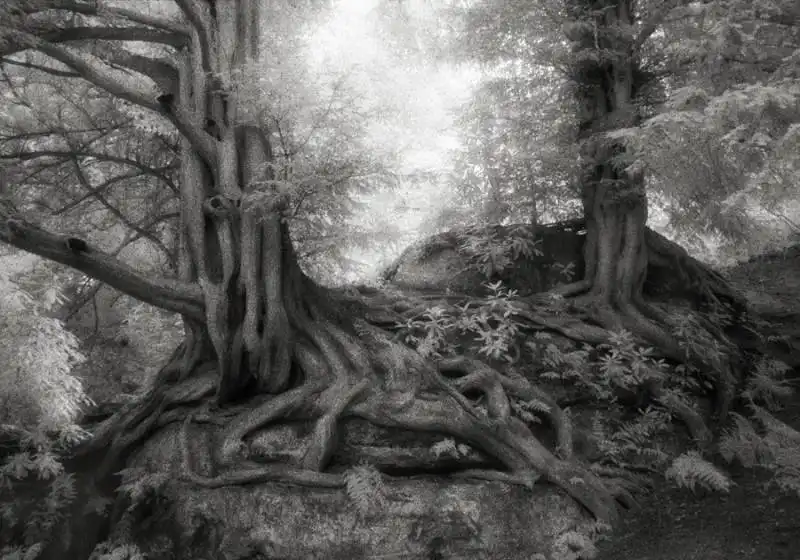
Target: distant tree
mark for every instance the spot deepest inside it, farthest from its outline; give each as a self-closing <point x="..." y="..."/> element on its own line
<point x="609" y="66"/>
<point x="515" y="163"/>
<point x="696" y="66"/>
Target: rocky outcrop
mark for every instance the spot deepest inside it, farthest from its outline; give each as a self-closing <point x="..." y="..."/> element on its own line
<point x="423" y="516"/>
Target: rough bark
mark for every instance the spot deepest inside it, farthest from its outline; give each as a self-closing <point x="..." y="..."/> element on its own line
<point x="613" y="191"/>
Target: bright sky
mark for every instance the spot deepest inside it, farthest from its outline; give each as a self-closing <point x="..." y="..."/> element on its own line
<point x="426" y="93"/>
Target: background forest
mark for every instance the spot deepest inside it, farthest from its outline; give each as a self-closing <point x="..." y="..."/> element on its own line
<point x="390" y="122"/>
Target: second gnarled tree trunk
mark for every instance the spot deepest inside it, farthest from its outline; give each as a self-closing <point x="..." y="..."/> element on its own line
<point x="606" y="79"/>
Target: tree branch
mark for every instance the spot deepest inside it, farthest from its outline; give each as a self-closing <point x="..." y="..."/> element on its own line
<point x="143" y="95"/>
<point x="93" y="9"/>
<point x="55" y="36"/>
<point x="96" y="192"/>
<point x="164" y="74"/>
<point x="138" y="94"/>
<point x="172" y="295"/>
<point x="171" y="257"/>
<point x="40" y="68"/>
<point x="192" y="14"/>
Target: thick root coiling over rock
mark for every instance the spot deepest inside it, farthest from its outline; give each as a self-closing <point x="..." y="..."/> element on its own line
<point x="361" y="371"/>
<point x="405" y="392"/>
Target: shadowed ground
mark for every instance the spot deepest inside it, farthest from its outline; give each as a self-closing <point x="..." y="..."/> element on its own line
<point x="749" y="523"/>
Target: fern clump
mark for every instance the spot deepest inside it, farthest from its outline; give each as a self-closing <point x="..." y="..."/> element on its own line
<point x="691" y="470"/>
<point x="632" y="444"/>
<point x="767" y="443"/>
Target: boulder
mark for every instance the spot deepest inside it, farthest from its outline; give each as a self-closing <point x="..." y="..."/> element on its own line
<point x="442" y="262"/>
<point x="427" y="515"/>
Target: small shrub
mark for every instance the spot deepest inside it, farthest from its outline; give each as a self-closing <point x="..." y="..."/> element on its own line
<point x="491" y="254"/>
<point x="40" y="401"/>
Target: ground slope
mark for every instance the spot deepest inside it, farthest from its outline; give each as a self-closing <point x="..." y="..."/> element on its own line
<point x="750" y="523"/>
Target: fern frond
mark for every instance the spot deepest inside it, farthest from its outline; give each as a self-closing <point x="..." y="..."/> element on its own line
<point x="364" y="486"/>
<point x="573" y="545"/>
<point x="690" y="470"/>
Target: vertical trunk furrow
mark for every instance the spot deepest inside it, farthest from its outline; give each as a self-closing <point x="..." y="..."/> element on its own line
<point x="250" y="273"/>
<point x="275" y="363"/>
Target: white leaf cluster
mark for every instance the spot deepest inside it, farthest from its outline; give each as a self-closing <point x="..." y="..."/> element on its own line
<point x="36" y="358"/>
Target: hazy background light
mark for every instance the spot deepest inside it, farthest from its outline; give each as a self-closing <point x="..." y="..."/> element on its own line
<point x="417" y="99"/>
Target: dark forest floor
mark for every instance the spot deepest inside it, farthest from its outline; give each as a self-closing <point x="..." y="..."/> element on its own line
<point x="754" y="521"/>
<point x="750" y="523"/>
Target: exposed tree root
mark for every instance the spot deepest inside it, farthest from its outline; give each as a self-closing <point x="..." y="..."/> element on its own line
<point x="254" y="473"/>
<point x="362" y="371"/>
<point x="527" y="480"/>
<point x="498" y="387"/>
<point x="407" y="394"/>
<point x="131" y="425"/>
<point x="509" y="442"/>
<point x="690" y="417"/>
<point x="325" y="437"/>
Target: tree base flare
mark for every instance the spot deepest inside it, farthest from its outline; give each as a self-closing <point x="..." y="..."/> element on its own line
<point x="341" y="373"/>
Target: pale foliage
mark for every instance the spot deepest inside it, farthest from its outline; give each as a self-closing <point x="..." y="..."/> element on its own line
<point x="365" y="487"/>
<point x="36" y="357"/>
<point x="40" y="401"/>
<point x="448" y="446"/>
<point x="690" y="470"/>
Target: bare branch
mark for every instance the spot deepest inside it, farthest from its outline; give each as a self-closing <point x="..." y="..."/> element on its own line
<point x="39" y="67"/>
<point x="172" y="295"/>
<point x="172" y="259"/>
<point x="97" y="194"/>
<point x="97" y="191"/>
<point x="138" y="93"/>
<point x="156" y="172"/>
<point x="93" y="9"/>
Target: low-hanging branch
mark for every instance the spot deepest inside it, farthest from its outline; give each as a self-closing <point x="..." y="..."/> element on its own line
<point x="172" y="295"/>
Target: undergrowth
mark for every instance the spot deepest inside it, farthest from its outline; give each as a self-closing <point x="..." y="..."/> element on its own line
<point x="490" y="252"/>
<point x="625" y="440"/>
<point x="40" y="401"/>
